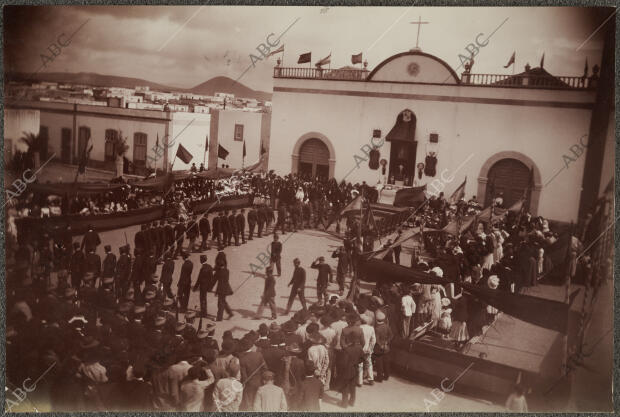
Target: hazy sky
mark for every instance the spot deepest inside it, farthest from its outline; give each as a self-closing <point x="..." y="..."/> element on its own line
<point x="183" y="46"/>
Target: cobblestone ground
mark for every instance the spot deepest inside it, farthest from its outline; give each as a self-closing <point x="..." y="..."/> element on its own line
<point x="397" y="394"/>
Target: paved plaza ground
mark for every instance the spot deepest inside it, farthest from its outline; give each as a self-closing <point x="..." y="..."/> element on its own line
<point x="397" y="394"/>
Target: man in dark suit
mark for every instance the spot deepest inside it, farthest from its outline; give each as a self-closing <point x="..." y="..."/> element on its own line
<point x="93" y="263"/>
<point x="123" y="271"/>
<point x="252" y="219"/>
<point x="166" y="275"/>
<point x="78" y="266"/>
<point x="298" y="285"/>
<point x="137" y="272"/>
<point x="91" y="240"/>
<point x="138" y="240"/>
<point x="205" y="229"/>
<point x="185" y="282"/>
<point x="192" y="233"/>
<point x="352" y="355"/>
<point x="281" y="219"/>
<point x="109" y="263"/>
<point x="250" y="364"/>
<point x="311" y="390"/>
<point x="226" y="230"/>
<point x="269" y="296"/>
<point x="217" y="229"/>
<point x="169" y="234"/>
<point x="160" y="238"/>
<point x="276" y="253"/>
<point x="241" y="225"/>
<point x="234" y="231"/>
<point x="261" y="219"/>
<point x="179" y="235"/>
<point x="322" y="279"/>
<point x="204" y="283"/>
<point x="274" y="353"/>
<point x="222" y="290"/>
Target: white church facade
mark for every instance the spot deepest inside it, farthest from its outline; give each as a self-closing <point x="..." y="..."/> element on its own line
<point x="431" y="126"/>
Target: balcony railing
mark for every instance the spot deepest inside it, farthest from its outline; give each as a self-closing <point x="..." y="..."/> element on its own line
<point x="529" y="81"/>
<point x="323" y="74"/>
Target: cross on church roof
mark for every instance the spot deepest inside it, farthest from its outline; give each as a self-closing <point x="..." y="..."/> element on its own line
<point x="419" y="22"/>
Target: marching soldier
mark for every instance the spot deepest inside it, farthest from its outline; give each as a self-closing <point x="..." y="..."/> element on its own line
<point x="139" y="238"/>
<point x="169" y="236"/>
<point x="185" y="282"/>
<point x="123" y="271"/>
<point x="234" y="232"/>
<point x="205" y="229"/>
<point x="217" y="229"/>
<point x="179" y="235"/>
<point x="91" y="239"/>
<point x="261" y="219"/>
<point x="204" y="283"/>
<point x="276" y="253"/>
<point x="252" y="219"/>
<point x="241" y="225"/>
<point x="78" y="266"/>
<point x="223" y="288"/>
<point x="166" y="275"/>
<point x="137" y="272"/>
<point x="109" y="263"/>
<point x="93" y="263"/>
<point x="225" y="225"/>
<point x="298" y="286"/>
<point x="192" y="233"/>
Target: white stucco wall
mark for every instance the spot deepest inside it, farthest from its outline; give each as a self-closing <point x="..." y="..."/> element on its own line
<point x="471" y="121"/>
<point x="190" y="130"/>
<point x="225" y="132"/>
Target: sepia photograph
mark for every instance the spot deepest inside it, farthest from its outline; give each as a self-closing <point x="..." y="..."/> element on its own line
<point x="314" y="208"/>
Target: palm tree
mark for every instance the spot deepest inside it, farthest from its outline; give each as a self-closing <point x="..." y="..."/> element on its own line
<point x="33" y="141"/>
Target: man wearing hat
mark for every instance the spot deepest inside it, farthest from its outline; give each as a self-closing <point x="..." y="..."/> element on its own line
<point x="192" y="233"/>
<point x="322" y="279"/>
<point x="179" y="236"/>
<point x="78" y="266"/>
<point x="343" y="263"/>
<point x="234" y="231"/>
<point x="169" y="236"/>
<point x="252" y="220"/>
<point x="261" y="219"/>
<point x="276" y="253"/>
<point x="298" y="285"/>
<point x="269" y="295"/>
<point x="348" y="364"/>
<point x="109" y="263"/>
<point x="137" y="272"/>
<point x="93" y="262"/>
<point x="217" y="229"/>
<point x="226" y="228"/>
<point x="240" y="219"/>
<point x="381" y="351"/>
<point x="250" y="363"/>
<point x="91" y="240"/>
<point x="205" y="228"/>
<point x="205" y="283"/>
<point x="123" y="271"/>
<point x="167" y="270"/>
<point x="184" y="285"/>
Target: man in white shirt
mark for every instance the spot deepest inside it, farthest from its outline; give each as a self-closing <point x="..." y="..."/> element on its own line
<point x="408" y="307"/>
<point x="369" y="345"/>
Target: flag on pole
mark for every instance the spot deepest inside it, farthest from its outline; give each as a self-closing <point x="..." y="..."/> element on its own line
<point x="324" y="61"/>
<point x="303" y="58"/>
<point x="354" y="205"/>
<point x="222" y="152"/>
<point x="207" y="143"/>
<point x="277" y="51"/>
<point x="84" y="159"/>
<point x="244" y="153"/>
<point x="356" y="59"/>
<point x="458" y="193"/>
<point x="542" y="61"/>
<point x="262" y="149"/>
<point x="157" y="141"/>
<point x="510" y="61"/>
<point x="183" y="154"/>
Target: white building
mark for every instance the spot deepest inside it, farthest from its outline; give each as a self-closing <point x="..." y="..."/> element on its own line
<point x="417" y="110"/>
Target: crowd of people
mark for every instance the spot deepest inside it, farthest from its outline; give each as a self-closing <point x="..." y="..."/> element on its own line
<point x="110" y="328"/>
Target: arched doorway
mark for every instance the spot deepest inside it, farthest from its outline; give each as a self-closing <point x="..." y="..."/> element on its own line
<point x="314" y="159"/>
<point x="509" y="177"/>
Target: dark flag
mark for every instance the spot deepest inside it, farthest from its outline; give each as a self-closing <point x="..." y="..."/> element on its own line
<point x="542" y="61"/>
<point x="408" y="197"/>
<point x="222" y="152"/>
<point x="183" y="154"/>
<point x="304" y="58"/>
<point x="244" y="153"/>
<point x="355" y="205"/>
<point x="356" y="59"/>
<point x="585" y="72"/>
<point x="207" y="143"/>
<point x="262" y="149"/>
<point x="510" y="61"/>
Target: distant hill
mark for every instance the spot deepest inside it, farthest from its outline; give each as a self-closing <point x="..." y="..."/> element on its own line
<point x="228" y="85"/>
<point x="214" y="85"/>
